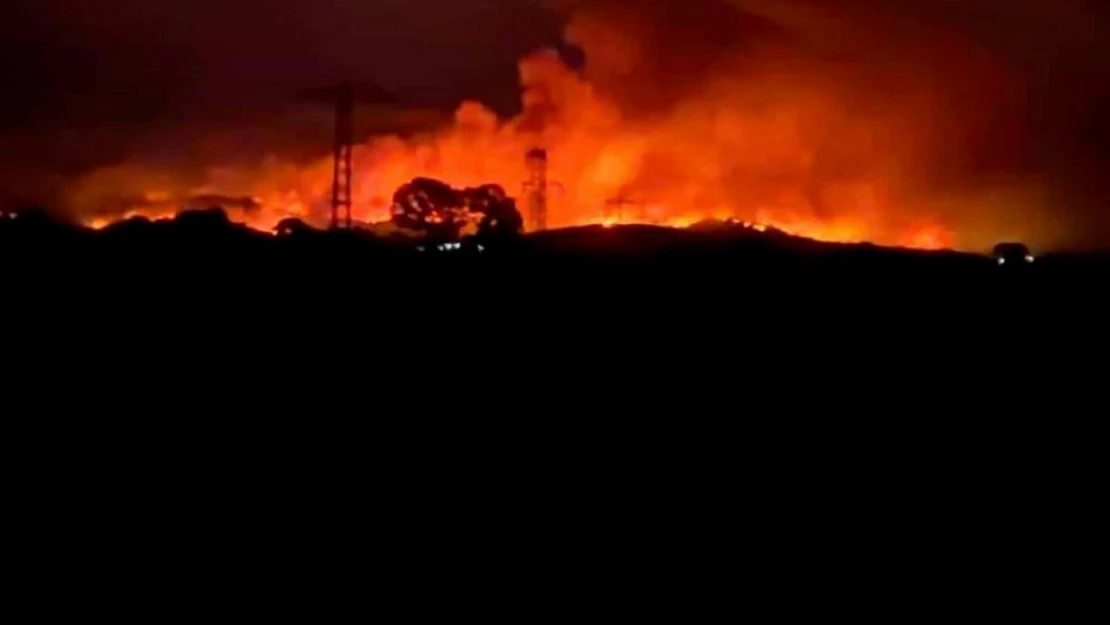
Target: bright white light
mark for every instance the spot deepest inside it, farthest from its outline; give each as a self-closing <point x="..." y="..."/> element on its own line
<point x="1029" y="258"/>
<point x="481" y="248"/>
<point x="1001" y="261"/>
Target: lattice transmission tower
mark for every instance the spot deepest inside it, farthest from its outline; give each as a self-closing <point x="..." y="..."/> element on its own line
<point x="343" y="165"/>
<point x="344" y="97"/>
<point x="537" y="188"/>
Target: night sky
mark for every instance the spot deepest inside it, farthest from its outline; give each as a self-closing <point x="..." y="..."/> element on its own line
<point x="86" y="81"/>
<point x="108" y="73"/>
<point x="100" y="52"/>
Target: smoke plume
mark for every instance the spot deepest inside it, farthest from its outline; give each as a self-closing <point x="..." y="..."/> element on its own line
<point x="924" y="122"/>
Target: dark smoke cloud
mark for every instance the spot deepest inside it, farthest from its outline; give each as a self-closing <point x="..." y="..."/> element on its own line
<point x="1012" y="92"/>
<point x="94" y="82"/>
<point x="650" y="54"/>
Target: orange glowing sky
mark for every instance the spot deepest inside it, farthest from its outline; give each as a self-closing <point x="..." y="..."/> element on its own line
<point x="763" y="130"/>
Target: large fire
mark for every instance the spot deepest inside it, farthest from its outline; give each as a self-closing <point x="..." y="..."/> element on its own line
<point x="768" y="138"/>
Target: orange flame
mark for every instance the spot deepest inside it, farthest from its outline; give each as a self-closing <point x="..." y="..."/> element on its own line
<point x="755" y="149"/>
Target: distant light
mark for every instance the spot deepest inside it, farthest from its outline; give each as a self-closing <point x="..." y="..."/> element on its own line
<point x="481" y="248"/>
<point x="1001" y="261"/>
<point x="420" y="248"/>
<point x="1029" y="258"/>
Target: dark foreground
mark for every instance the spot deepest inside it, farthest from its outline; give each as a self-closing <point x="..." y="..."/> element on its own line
<point x="659" y="414"/>
<point x="201" y="272"/>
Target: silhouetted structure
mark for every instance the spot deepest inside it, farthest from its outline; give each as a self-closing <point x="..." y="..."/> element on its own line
<point x="344" y="97"/>
<point x="344" y="148"/>
<point x="536" y="189"/>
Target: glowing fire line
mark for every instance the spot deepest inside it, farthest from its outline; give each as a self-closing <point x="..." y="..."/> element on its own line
<point x="928" y="239"/>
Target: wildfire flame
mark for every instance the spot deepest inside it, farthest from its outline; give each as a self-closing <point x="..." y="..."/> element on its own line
<point x="771" y="144"/>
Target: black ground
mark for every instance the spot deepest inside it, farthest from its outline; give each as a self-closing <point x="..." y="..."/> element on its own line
<point x="768" y="417"/>
<point x="223" y="391"/>
<point x="199" y="270"/>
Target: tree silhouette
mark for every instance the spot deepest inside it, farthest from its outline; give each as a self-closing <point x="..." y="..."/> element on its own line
<point x="500" y="217"/>
<point x="430" y="206"/>
<point x="435" y="208"/>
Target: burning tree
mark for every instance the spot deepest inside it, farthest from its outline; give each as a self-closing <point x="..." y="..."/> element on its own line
<point x="442" y="212"/>
<point x="500" y="217"/>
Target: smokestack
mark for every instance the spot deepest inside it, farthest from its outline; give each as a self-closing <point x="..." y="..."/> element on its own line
<point x="536" y="189"/>
<point x="343" y="170"/>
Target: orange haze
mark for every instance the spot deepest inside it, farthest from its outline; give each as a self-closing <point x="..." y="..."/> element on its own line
<point x="762" y="133"/>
